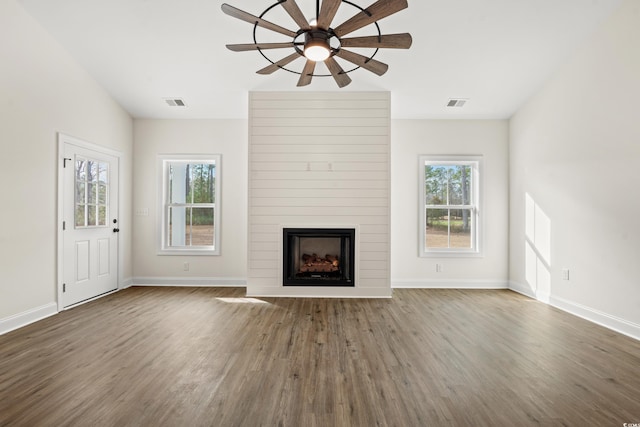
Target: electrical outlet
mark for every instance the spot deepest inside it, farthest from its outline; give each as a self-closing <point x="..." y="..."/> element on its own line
<point x="185" y="266"/>
<point x="565" y="274"/>
<point x="438" y="268"/>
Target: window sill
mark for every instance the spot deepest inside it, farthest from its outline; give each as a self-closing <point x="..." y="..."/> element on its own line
<point x="450" y="254"/>
<point x="188" y="252"/>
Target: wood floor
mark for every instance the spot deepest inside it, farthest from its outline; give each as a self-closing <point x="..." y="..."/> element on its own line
<point x="210" y="357"/>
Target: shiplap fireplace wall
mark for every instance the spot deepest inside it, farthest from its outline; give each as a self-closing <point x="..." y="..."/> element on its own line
<point x="319" y="160"/>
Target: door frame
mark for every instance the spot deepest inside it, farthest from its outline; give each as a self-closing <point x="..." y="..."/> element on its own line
<point x="64" y="139"/>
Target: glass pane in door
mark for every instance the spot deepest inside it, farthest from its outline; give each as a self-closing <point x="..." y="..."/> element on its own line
<point x="91" y="193"/>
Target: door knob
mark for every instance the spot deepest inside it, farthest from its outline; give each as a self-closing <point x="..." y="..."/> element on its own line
<point x="116" y="230"/>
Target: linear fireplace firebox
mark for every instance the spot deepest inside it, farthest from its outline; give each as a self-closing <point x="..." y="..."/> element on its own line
<point x="318" y="256"/>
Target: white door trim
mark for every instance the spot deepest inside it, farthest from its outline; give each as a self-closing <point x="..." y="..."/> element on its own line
<point x="67" y="139"/>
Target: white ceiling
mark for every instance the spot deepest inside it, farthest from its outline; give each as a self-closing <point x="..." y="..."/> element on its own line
<point x="496" y="53"/>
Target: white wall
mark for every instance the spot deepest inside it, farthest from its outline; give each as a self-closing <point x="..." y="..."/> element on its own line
<point x="409" y="140"/>
<point x="575" y="149"/>
<point x="43" y="91"/>
<point x="225" y="137"/>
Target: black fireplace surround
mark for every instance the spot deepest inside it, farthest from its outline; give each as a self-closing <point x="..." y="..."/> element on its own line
<point x="318" y="256"/>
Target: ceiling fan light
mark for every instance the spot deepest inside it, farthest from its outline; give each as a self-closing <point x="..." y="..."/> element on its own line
<point x="316" y="53"/>
<point x="316" y="46"/>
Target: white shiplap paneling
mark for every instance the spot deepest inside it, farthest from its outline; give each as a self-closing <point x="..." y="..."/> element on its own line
<point x="318" y="160"/>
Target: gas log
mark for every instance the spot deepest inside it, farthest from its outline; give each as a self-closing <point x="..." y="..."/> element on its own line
<point x="315" y="264"/>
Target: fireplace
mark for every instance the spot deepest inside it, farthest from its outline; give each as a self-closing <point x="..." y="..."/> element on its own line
<point x="318" y="256"/>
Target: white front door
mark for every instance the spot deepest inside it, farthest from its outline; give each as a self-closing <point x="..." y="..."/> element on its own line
<point x="90" y="224"/>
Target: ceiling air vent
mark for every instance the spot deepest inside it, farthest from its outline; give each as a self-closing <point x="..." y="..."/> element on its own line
<point x="457" y="102"/>
<point x="175" y="102"/>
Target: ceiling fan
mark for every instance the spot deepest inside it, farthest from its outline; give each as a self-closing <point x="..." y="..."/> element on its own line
<point x="317" y="41"/>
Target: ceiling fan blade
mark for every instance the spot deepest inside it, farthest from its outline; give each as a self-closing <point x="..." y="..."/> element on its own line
<point x="252" y="19"/>
<point x="307" y="73"/>
<point x="337" y="72"/>
<point x="375" y="12"/>
<point x="256" y="46"/>
<point x="294" y="11"/>
<point x="392" y="41"/>
<point x="328" y="11"/>
<point x="372" y="65"/>
<point x="277" y="65"/>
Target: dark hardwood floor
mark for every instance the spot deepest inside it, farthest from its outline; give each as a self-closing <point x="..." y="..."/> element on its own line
<point x="210" y="357"/>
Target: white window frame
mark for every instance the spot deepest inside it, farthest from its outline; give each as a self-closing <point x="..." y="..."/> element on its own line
<point x="164" y="160"/>
<point x="476" y="193"/>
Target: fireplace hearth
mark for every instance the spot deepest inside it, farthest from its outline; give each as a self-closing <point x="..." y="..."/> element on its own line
<point x="318" y="256"/>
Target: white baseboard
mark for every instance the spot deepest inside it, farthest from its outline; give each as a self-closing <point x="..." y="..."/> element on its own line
<point x="523" y="289"/>
<point x="126" y="283"/>
<point x="449" y="284"/>
<point x="603" y="319"/>
<point x="190" y="281"/>
<point x="598" y="317"/>
<point x="317" y="292"/>
<point x="30" y="316"/>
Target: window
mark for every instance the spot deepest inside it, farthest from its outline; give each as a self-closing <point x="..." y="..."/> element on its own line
<point x="190" y="205"/>
<point x="449" y="205"/>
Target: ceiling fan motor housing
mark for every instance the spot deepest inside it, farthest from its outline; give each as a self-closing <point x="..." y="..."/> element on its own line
<point x="316" y="45"/>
